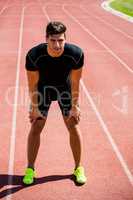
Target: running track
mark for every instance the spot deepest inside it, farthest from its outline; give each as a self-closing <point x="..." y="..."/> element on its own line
<point x="106" y="103"/>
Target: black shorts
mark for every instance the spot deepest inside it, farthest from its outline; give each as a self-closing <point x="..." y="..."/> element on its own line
<point x="47" y="94"/>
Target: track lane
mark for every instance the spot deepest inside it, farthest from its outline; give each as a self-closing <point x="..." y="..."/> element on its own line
<point x="117" y="22"/>
<point x="105" y="22"/>
<point x="9" y="44"/>
<point x="122" y="52"/>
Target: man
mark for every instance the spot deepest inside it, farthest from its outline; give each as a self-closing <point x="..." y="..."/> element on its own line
<point x="54" y="71"/>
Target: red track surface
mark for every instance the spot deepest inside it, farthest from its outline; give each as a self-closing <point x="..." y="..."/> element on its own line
<point x="106" y="103"/>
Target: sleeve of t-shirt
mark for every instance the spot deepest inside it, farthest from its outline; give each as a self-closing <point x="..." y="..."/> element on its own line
<point x="30" y="63"/>
<point x="80" y="62"/>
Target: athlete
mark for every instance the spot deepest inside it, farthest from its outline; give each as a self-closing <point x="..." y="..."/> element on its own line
<point x="54" y="71"/>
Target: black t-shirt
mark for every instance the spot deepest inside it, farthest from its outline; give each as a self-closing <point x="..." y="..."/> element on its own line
<point x="54" y="71"/>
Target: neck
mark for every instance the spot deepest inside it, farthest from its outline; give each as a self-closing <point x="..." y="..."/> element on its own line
<point x="53" y="53"/>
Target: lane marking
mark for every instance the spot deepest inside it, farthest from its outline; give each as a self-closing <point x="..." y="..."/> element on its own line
<point x="4" y="8"/>
<point x="108" y="134"/>
<point x="98" y="40"/>
<point x="14" y="119"/>
<point x="107" y="23"/>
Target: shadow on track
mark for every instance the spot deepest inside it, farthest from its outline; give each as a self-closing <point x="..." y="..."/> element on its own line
<point x="18" y="184"/>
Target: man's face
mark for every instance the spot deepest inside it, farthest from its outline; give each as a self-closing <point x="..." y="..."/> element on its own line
<point x="56" y="44"/>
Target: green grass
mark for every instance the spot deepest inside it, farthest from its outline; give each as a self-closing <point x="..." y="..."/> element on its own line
<point x="124" y="6"/>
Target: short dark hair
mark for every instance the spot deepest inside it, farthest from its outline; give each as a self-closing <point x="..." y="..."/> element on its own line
<point x="55" y="27"/>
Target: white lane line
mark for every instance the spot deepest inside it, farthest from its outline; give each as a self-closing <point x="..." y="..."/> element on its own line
<point x="108" y="134"/>
<point x="107" y="23"/>
<point x="44" y="9"/>
<point x="4" y="8"/>
<point x="98" y="40"/>
<point x="14" y="119"/>
<point x="45" y="13"/>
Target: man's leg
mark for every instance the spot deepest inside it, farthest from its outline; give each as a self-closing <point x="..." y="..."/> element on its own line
<point x="33" y="145"/>
<point x="76" y="141"/>
<point x="76" y="144"/>
<point x="32" y="150"/>
<point x="65" y="101"/>
<point x="34" y="141"/>
<point x="34" y="138"/>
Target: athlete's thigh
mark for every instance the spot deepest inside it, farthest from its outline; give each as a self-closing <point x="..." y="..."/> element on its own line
<point x="44" y="101"/>
<point x="65" y="100"/>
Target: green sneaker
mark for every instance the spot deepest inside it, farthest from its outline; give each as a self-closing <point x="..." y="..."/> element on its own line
<point x="80" y="175"/>
<point x="29" y="176"/>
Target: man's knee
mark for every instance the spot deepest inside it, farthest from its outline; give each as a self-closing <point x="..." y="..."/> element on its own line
<point x="37" y="126"/>
<point x="71" y="123"/>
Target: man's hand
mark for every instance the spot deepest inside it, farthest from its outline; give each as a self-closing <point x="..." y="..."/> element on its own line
<point x="35" y="114"/>
<point x="74" y="115"/>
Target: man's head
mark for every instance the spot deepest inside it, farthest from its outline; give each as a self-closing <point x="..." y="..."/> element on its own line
<point x="55" y="37"/>
<point x="54" y="28"/>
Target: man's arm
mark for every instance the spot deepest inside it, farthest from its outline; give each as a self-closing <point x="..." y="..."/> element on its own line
<point x="33" y="77"/>
<point x="75" y="83"/>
